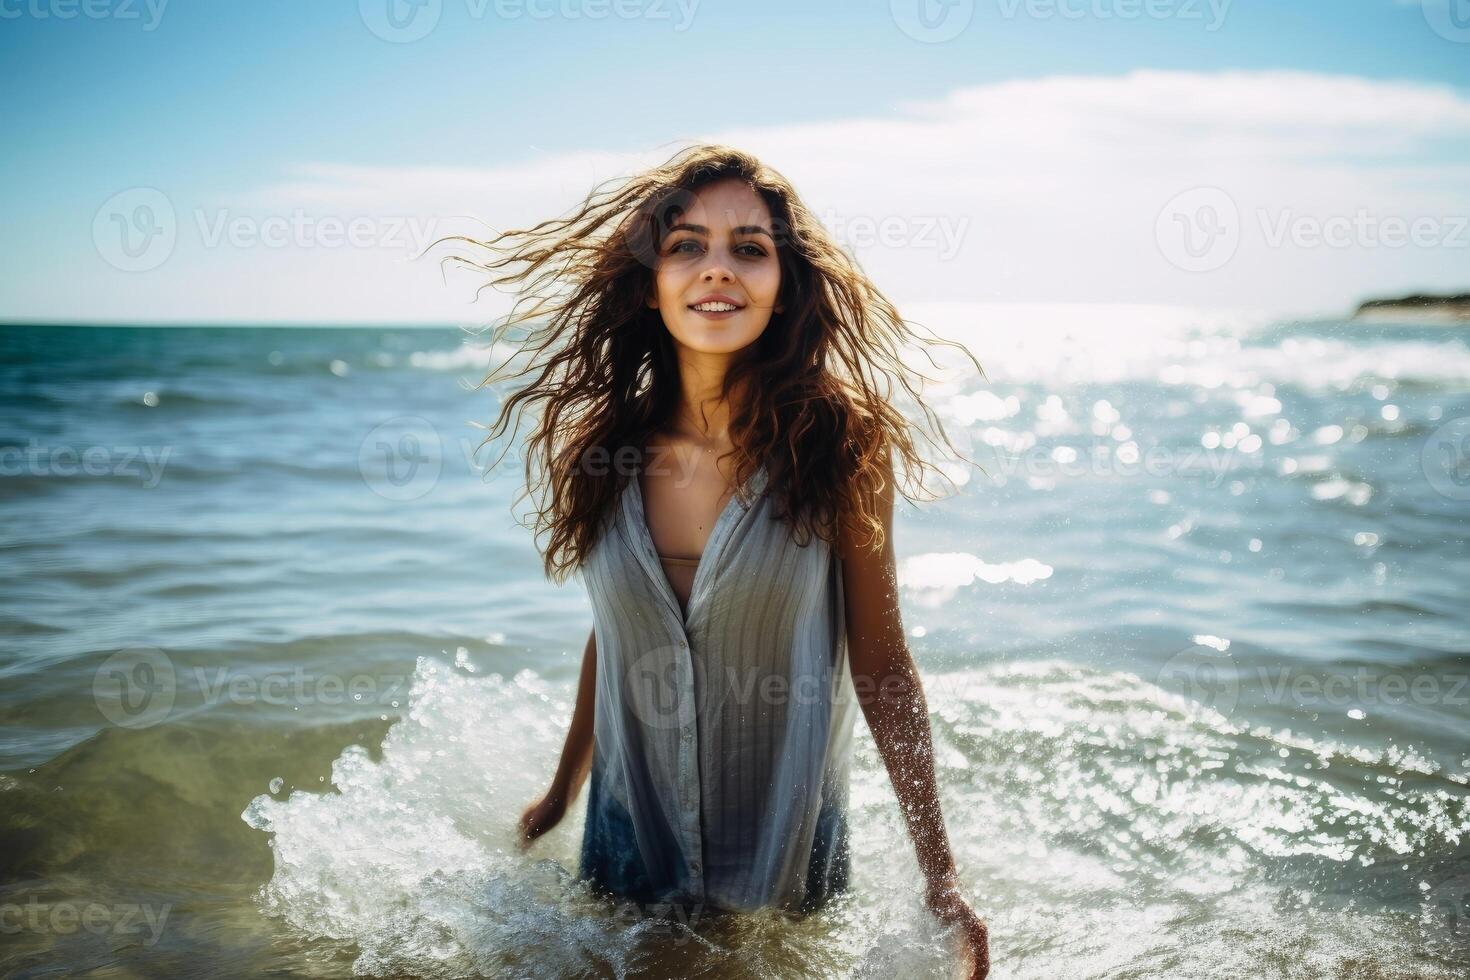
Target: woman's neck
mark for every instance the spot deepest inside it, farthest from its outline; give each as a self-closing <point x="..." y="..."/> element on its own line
<point x="702" y="417"/>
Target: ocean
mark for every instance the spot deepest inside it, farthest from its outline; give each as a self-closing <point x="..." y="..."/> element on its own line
<point x="281" y="668"/>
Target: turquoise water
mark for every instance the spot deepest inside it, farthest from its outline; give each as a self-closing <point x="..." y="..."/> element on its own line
<point x="280" y="668"/>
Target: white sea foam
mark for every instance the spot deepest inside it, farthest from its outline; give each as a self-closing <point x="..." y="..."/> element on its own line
<point x="1067" y="344"/>
<point x="412" y="858"/>
<point x="1093" y="814"/>
<point x="472" y="353"/>
<point x="934" y="578"/>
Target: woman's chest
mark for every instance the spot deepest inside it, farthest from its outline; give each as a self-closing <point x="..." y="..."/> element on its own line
<point x="754" y="584"/>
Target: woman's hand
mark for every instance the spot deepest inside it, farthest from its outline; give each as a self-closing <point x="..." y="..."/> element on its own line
<point x="541" y="816"/>
<point x="949" y="906"/>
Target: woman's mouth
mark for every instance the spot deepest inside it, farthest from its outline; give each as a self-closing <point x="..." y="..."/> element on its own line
<point x="716" y="309"/>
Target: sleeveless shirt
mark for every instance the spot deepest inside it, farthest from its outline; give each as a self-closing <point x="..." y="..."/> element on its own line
<point x="722" y="736"/>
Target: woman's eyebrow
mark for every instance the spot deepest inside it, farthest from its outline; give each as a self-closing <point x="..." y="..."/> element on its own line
<point x="741" y="230"/>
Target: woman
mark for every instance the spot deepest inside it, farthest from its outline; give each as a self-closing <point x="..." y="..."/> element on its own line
<point x="720" y="466"/>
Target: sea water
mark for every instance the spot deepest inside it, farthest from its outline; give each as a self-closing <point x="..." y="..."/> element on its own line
<point x="281" y="667"/>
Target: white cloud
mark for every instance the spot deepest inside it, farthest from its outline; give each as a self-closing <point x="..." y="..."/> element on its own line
<point x="1046" y="189"/>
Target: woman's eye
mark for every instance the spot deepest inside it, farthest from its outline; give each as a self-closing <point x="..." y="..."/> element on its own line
<point x="748" y="249"/>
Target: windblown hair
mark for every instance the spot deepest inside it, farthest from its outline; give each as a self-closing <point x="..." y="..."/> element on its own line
<point x="606" y="374"/>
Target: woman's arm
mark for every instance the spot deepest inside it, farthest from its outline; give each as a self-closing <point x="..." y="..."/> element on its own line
<point x="892" y="698"/>
<point x="576" y="755"/>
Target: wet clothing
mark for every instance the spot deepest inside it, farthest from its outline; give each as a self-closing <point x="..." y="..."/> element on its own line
<point x="723" y="733"/>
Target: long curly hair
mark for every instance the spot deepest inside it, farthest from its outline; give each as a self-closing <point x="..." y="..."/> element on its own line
<point x="820" y="381"/>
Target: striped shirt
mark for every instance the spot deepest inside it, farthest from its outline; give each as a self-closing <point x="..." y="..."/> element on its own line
<point x="722" y="733"/>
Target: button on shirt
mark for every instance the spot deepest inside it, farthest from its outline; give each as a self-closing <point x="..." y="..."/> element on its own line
<point x="722" y="735"/>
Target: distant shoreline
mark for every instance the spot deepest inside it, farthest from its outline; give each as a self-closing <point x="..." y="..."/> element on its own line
<point x="1418" y="305"/>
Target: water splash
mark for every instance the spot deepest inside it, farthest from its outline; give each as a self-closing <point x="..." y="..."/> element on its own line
<point x="1162" y="827"/>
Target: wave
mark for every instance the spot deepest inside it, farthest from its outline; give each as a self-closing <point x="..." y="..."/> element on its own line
<point x="1075" y="798"/>
<point x="1070" y="344"/>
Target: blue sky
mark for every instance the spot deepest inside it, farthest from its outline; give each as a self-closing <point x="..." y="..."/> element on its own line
<point x="226" y="107"/>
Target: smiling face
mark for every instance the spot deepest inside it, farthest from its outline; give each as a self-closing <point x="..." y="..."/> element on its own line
<point x="718" y="274"/>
